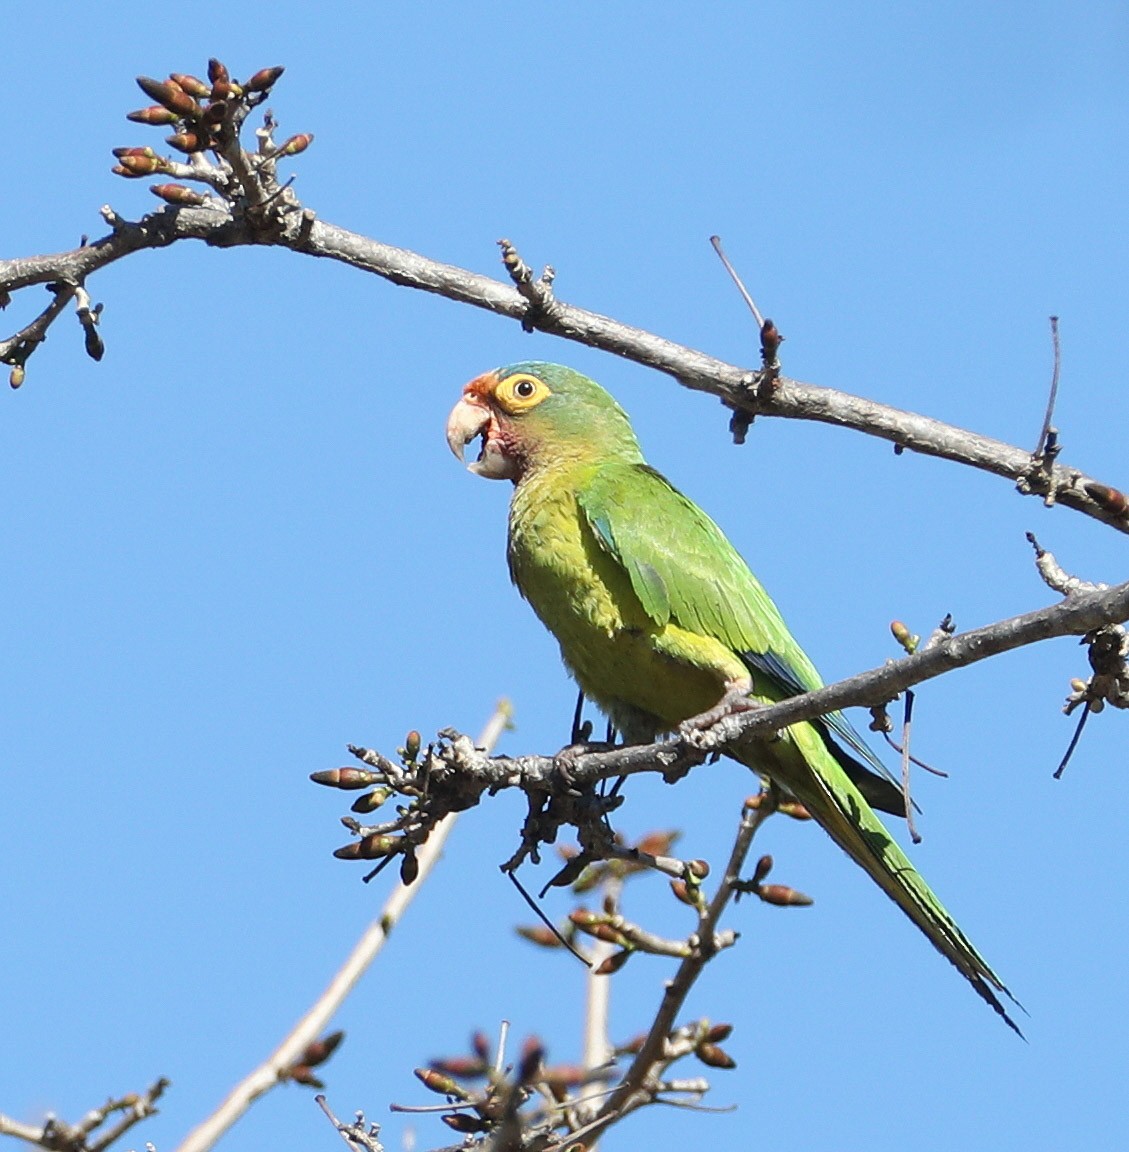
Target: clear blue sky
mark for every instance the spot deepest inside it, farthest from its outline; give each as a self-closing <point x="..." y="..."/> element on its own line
<point x="239" y="542"/>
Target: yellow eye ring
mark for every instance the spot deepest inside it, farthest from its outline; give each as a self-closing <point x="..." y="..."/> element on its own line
<point x="520" y="392"/>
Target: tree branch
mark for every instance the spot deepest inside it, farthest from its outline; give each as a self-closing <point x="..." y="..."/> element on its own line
<point x="457" y="773"/>
<point x="272" y="1071"/>
<point x="297" y="229"/>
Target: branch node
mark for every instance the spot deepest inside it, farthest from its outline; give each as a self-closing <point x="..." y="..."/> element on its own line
<point x="537" y="292"/>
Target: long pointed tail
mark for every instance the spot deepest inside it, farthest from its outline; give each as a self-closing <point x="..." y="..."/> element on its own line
<point x="839" y="808"/>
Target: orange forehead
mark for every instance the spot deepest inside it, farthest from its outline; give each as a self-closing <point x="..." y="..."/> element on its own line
<point x="481" y="388"/>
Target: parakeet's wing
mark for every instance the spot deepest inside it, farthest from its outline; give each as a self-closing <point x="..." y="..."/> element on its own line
<point x="682" y="568"/>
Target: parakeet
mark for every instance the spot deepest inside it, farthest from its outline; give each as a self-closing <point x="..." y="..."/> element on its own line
<point x="659" y="619"/>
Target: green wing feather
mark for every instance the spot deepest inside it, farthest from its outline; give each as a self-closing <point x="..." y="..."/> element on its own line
<point x="683" y="568"/>
<point x="684" y="571"/>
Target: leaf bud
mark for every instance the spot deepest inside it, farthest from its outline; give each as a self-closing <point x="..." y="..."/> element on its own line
<point x="178" y="194"/>
<point x="440" y="1083"/>
<point x="296" y="144"/>
<point x="714" y="1057"/>
<point x="191" y="84"/>
<point x="188" y="142"/>
<point x="763" y="868"/>
<point x="371" y="847"/>
<point x="612" y="963"/>
<point x="301" y="1074"/>
<point x="155" y="114"/>
<point x="170" y="95"/>
<point x="783" y="896"/>
<point x="17" y="375"/>
<point x="464" y="1123"/>
<point x="370" y="801"/>
<point x="904" y="637"/>
<point x="348" y="779"/>
<point x="538" y="934"/>
<point x="682" y="892"/>
<point x="142" y="165"/>
<point x="794" y="809"/>
<point x="319" y="1051"/>
<point x="1108" y="498"/>
<point x="657" y="843"/>
<point x="531" y="1059"/>
<point x="264" y="79"/>
<point x="719" y="1032"/>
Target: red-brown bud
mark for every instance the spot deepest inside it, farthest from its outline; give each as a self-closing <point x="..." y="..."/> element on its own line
<point x="682" y="892"/>
<point x="155" y="114"/>
<point x="612" y="963"/>
<point x="348" y="779"/>
<point x="225" y="90"/>
<point x="412" y="743"/>
<point x="191" y="84"/>
<point x="719" y="1032"/>
<point x="300" y="1074"/>
<point x="170" y="95"/>
<point x="794" y="809"/>
<point x="464" y="1066"/>
<point x="440" y="1083"/>
<point x="763" y="868"/>
<point x="783" y="896"/>
<point x="120" y="152"/>
<point x="714" y="1057"/>
<point x="464" y="1123"/>
<point x="657" y="843"/>
<point x="142" y="165"/>
<point x="319" y="1051"/>
<point x="532" y="1057"/>
<point x="264" y="79"/>
<point x="368" y="848"/>
<point x="1108" y="498"/>
<point x="188" y="142"/>
<point x="370" y="801"/>
<point x="121" y="170"/>
<point x="178" y="194"/>
<point x="480" y="1046"/>
<point x="538" y="934"/>
<point x="217" y="71"/>
<point x="296" y="144"/>
<point x="215" y="112"/>
<point x="698" y="869"/>
<point x="409" y="868"/>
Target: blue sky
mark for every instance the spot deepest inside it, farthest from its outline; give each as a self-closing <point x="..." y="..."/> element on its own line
<point x="239" y="542"/>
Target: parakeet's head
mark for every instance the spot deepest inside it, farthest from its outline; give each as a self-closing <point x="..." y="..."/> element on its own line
<point x="533" y="415"/>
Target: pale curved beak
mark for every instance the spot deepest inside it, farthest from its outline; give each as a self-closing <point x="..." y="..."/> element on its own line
<point x="467" y="420"/>
<point x="470" y="418"/>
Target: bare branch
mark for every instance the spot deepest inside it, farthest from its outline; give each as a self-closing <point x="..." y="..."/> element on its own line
<point x="313" y="1024"/>
<point x="737" y="386"/>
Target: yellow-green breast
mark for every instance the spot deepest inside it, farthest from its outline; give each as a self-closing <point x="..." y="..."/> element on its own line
<point x="647" y="677"/>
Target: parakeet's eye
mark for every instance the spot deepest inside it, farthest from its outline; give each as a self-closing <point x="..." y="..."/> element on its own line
<point x="520" y="392"/>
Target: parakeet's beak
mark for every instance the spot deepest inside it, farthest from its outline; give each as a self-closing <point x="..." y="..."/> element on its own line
<point x="472" y="417"/>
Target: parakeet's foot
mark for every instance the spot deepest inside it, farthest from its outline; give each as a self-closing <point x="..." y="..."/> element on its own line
<point x="565" y="760"/>
<point x="735" y="701"/>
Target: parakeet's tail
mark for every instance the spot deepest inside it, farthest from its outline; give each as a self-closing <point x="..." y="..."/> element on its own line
<point x="838" y="807"/>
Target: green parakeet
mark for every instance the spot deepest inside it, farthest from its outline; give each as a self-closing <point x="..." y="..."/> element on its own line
<point x="659" y="619"/>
